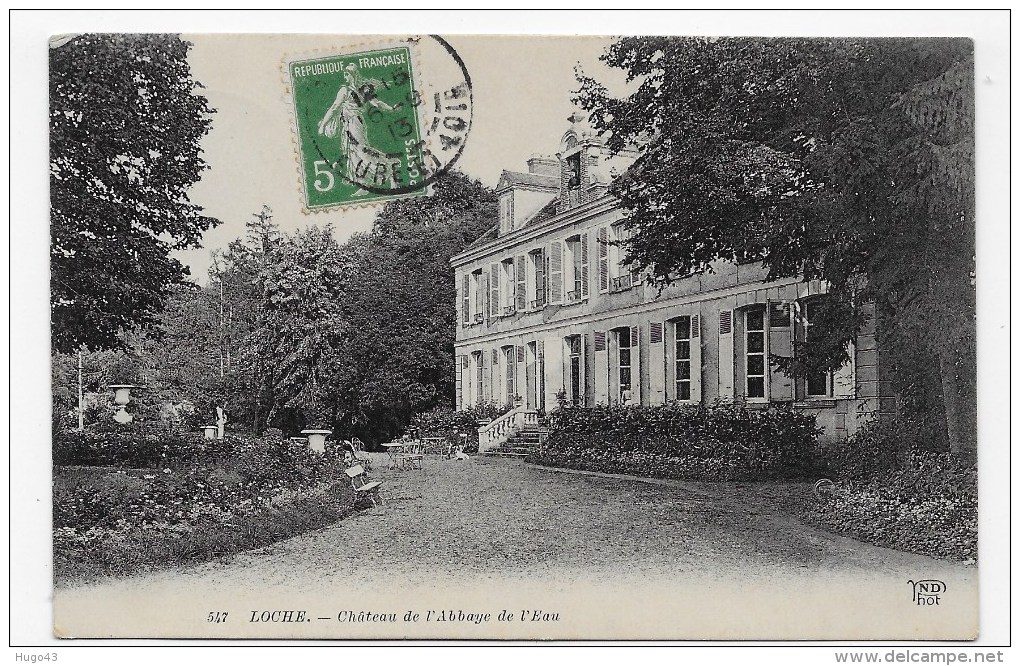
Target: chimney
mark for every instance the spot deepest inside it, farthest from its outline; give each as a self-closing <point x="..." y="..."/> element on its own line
<point x="543" y="165"/>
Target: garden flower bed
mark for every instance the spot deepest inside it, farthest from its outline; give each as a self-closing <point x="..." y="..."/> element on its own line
<point x="895" y="488"/>
<point x="211" y="500"/>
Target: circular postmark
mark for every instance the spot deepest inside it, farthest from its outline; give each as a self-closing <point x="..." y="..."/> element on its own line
<point x="379" y="123"/>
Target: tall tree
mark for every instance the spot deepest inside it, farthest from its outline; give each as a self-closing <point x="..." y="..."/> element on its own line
<point x="848" y="160"/>
<point x="402" y="312"/>
<point x="125" y="130"/>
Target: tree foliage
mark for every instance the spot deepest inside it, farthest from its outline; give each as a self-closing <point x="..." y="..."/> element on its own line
<point x="849" y="160"/>
<point x="125" y="131"/>
<point x="402" y="312"/>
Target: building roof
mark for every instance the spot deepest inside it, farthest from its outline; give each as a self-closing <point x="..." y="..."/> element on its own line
<point x="484" y="238"/>
<point x="546" y="212"/>
<point x="511" y="178"/>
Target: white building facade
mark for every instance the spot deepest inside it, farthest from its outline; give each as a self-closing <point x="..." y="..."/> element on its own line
<point x="547" y="310"/>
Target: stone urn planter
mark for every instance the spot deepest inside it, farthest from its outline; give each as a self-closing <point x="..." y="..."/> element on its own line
<point x="122" y="396"/>
<point x="317" y="439"/>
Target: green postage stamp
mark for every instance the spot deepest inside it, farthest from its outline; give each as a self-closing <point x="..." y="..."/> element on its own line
<point x="358" y="130"/>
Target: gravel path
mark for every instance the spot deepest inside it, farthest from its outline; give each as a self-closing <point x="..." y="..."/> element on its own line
<point x="489" y="527"/>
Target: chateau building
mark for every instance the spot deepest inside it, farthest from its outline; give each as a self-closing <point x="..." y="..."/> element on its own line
<point x="546" y="308"/>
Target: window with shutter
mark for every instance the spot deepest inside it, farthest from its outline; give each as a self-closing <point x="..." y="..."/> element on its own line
<point x="479" y="286"/>
<point x="538" y="299"/>
<point x="507" y="288"/>
<point x="479" y="376"/>
<point x="466" y="299"/>
<point x="600" y="341"/>
<point x="682" y="333"/>
<point x="603" y="243"/>
<point x="755" y="353"/>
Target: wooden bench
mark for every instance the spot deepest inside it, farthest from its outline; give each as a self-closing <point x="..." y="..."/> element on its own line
<point x="362" y="486"/>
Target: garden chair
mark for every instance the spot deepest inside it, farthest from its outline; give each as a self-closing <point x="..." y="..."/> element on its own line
<point x="433" y="444"/>
<point x="362" y="486"/>
<point x="357" y="449"/>
<point x="412" y="454"/>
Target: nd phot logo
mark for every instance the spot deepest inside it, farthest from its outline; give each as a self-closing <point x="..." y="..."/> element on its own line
<point x="927" y="592"/>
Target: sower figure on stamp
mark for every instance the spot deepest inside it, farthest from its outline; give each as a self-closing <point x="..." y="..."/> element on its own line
<point x="346" y="118"/>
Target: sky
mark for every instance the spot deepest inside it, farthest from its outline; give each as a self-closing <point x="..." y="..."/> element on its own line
<point x="521" y="90"/>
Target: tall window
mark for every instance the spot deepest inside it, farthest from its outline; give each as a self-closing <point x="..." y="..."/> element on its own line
<point x="682" y="331"/>
<point x="478" y="289"/>
<point x="819" y="384"/>
<point x="536" y="278"/>
<point x="574" y="346"/>
<point x="623" y="345"/>
<point x="573" y="269"/>
<point x="507" y="286"/>
<point x="510" y="357"/>
<point x="754" y="347"/>
<point x="476" y="358"/>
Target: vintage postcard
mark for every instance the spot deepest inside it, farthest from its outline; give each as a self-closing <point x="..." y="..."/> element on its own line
<point x="513" y="337"/>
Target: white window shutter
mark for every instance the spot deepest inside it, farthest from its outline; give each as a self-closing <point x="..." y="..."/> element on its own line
<point x="780" y="324"/>
<point x="603" y="243"/>
<point x="494" y="290"/>
<point x="844" y="380"/>
<point x="725" y="355"/>
<point x="696" y="358"/>
<point x="635" y="365"/>
<point x="656" y="364"/>
<point x="582" y="399"/>
<point x="486" y="376"/>
<point x="553" y="367"/>
<point x="458" y="380"/>
<point x="601" y="369"/>
<point x="556" y="272"/>
<point x="584" y="265"/>
<point x="540" y="285"/>
<point x="522" y="284"/>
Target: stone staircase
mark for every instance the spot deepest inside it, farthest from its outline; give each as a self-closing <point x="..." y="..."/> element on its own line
<point x="515" y="433"/>
<point x="524" y="442"/>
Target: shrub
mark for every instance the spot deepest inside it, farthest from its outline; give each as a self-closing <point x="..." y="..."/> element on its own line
<point x="716" y="442"/>
<point x="882" y="446"/>
<point x="896" y="488"/>
<point x="128" y="446"/>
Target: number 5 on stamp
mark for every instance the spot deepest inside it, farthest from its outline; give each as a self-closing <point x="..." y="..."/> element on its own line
<point x="358" y="131"/>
